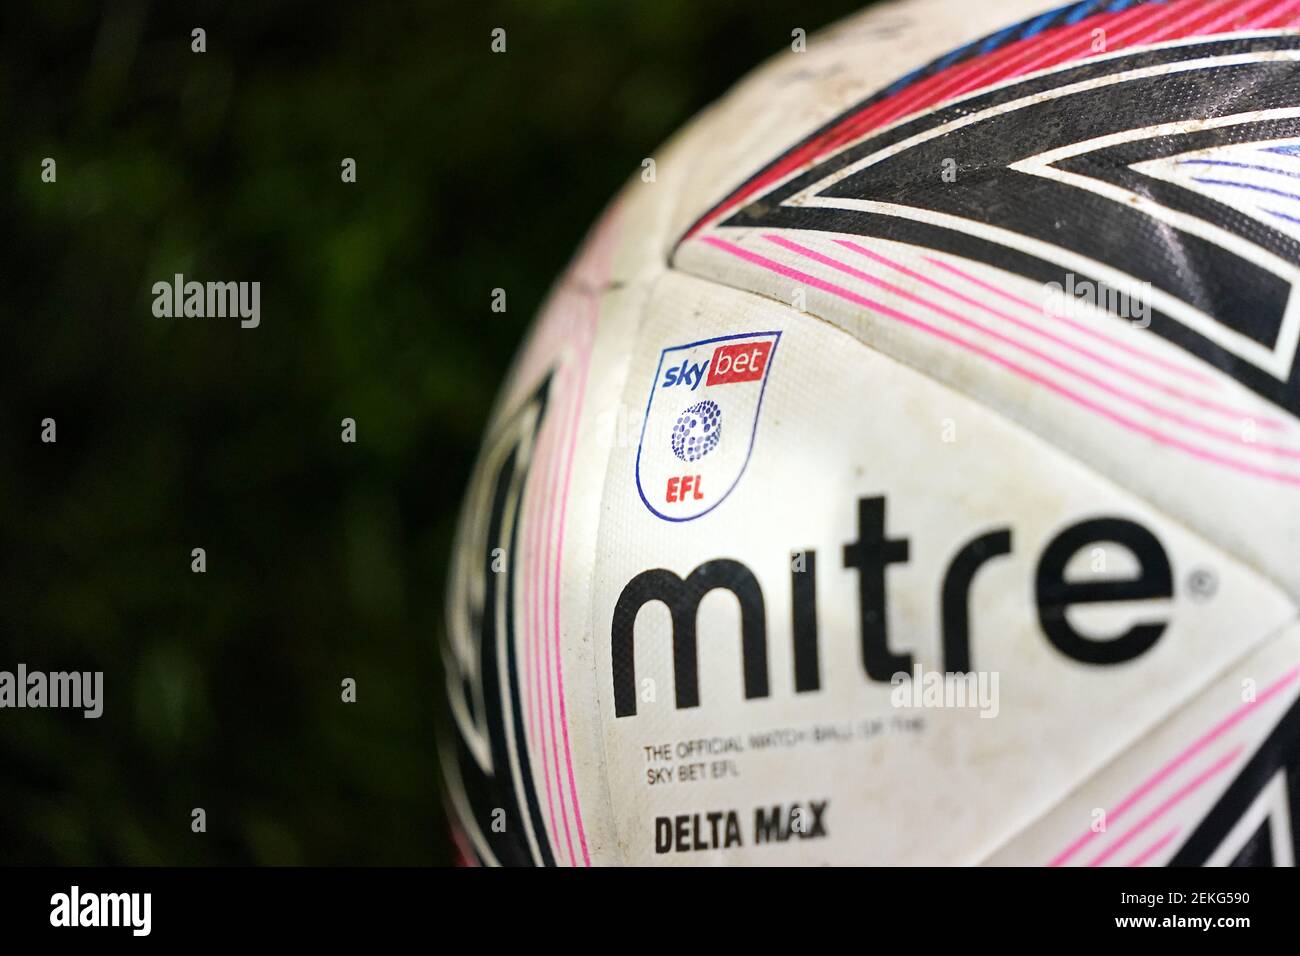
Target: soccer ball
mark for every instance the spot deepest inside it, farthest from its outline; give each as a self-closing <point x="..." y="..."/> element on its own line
<point x="909" y="471"/>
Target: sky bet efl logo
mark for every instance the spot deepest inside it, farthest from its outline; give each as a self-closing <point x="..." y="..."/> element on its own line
<point x="700" y="422"/>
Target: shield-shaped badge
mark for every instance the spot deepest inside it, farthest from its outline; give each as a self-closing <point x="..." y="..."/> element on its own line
<point x="700" y="422"/>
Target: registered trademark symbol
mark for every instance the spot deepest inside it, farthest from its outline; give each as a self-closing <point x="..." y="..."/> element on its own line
<point x="1202" y="584"/>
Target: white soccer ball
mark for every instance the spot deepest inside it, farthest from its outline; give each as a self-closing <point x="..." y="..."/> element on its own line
<point x="909" y="471"/>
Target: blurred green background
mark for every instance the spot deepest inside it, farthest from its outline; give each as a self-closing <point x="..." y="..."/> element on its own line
<point x="325" y="560"/>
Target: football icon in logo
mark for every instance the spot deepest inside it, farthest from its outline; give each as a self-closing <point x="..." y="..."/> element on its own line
<point x="697" y="431"/>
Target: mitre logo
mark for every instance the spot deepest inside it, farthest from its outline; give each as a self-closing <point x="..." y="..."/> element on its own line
<point x="701" y="421"/>
<point x="869" y="557"/>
